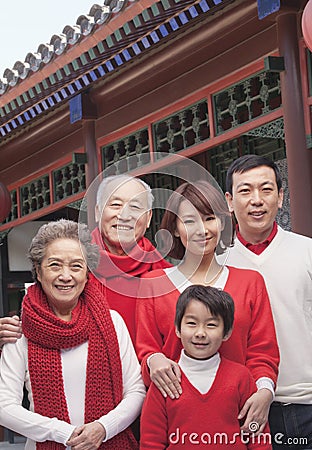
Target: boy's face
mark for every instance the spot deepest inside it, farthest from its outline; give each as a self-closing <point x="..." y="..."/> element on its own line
<point x="201" y="333"/>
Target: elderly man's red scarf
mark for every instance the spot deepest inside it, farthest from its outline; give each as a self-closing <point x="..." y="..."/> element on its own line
<point x="47" y="335"/>
<point x="142" y="258"/>
<point x="121" y="275"/>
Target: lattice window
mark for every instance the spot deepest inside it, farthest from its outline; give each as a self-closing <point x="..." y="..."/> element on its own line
<point x="35" y="195"/>
<point x="220" y="159"/>
<point x="274" y="129"/>
<point x="126" y="154"/>
<point x="182" y="129"/>
<point x="69" y="180"/>
<point x="162" y="184"/>
<point x="309" y="141"/>
<point x="244" y="101"/>
<point x="283" y="217"/>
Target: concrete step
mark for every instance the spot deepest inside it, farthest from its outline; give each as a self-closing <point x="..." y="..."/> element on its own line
<point x="5" y="445"/>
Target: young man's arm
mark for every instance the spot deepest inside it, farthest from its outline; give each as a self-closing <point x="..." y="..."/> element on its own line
<point x="10" y="329"/>
<point x="262" y="357"/>
<point x="259" y="433"/>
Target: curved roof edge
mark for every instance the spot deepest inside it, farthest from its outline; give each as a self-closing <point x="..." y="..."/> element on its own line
<point x="60" y="43"/>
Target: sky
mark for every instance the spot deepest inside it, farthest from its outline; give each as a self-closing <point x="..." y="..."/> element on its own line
<point x="25" y="24"/>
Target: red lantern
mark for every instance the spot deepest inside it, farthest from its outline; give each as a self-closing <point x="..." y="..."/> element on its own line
<point x="5" y="202"/>
<point x="306" y="23"/>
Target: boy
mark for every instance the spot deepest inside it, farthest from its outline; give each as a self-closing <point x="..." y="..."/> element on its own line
<point x="214" y="388"/>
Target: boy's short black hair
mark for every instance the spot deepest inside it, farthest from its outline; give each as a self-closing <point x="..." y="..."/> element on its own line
<point x="219" y="303"/>
<point x="248" y="162"/>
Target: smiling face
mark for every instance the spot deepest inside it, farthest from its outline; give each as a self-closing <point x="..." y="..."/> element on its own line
<point x="201" y="333"/>
<point x="199" y="233"/>
<point x="255" y="200"/>
<point x="124" y="217"/>
<point x="63" y="275"/>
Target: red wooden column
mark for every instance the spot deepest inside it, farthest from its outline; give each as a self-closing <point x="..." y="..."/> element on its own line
<point x="299" y="158"/>
<point x="91" y="166"/>
<point x="89" y="139"/>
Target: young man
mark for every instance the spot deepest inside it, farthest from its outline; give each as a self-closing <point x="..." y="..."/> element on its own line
<point x="123" y="212"/>
<point x="254" y="194"/>
<point x="214" y="388"/>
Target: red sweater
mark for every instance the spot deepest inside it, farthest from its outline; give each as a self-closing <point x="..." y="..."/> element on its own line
<point x="121" y="276"/>
<point x="252" y="343"/>
<point x="191" y="420"/>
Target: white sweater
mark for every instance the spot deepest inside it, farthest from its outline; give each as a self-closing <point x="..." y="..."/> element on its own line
<point x="14" y="371"/>
<point x="286" y="265"/>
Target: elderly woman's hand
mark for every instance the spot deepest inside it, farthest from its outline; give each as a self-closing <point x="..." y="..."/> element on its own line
<point x="87" y="437"/>
<point x="10" y="329"/>
<point x="166" y="375"/>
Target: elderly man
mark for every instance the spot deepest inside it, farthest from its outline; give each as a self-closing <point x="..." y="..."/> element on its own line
<point x="254" y="194"/>
<point x="123" y="212"/>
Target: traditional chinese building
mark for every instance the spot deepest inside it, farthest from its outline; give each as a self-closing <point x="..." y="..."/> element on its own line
<point x="144" y="81"/>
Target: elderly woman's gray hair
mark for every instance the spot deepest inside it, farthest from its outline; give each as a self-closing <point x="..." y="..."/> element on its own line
<point x="62" y="229"/>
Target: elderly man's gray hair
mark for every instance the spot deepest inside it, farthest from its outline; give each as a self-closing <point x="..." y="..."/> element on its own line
<point x="102" y="193"/>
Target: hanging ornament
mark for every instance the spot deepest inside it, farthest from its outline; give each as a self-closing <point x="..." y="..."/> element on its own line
<point x="306" y="23"/>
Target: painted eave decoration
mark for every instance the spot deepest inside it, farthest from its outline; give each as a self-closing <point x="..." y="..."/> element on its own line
<point x="101" y="43"/>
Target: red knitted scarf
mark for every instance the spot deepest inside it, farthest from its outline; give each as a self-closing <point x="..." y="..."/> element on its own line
<point x="47" y="335"/>
<point x="122" y="273"/>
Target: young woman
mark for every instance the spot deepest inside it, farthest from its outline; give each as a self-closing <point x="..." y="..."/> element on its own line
<point x="200" y="225"/>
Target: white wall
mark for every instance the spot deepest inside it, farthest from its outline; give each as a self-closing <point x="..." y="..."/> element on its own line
<point x="19" y="240"/>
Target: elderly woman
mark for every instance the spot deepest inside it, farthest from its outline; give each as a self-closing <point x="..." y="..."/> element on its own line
<point x="75" y="357"/>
